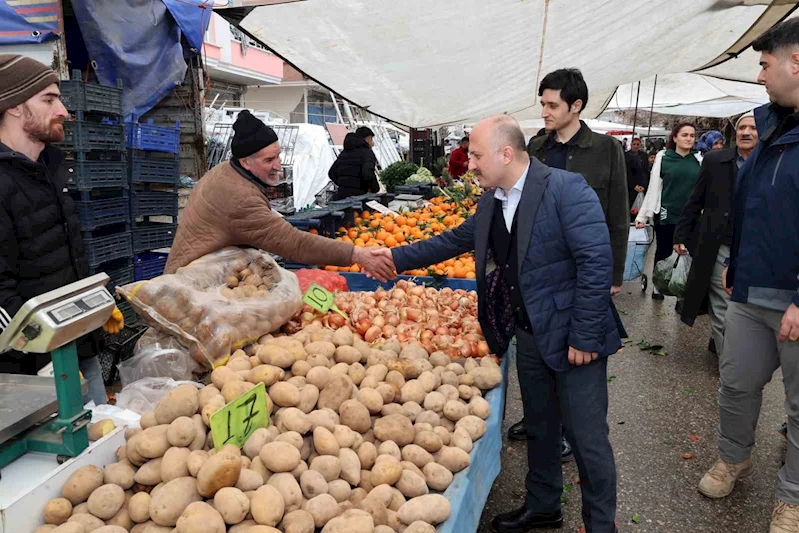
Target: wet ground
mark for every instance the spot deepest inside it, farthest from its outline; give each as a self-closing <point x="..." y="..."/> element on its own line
<point x="659" y="405"/>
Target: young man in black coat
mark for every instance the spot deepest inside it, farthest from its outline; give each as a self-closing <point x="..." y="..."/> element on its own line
<point x="354" y="170"/>
<point x="707" y="221"/>
<point x="41" y="248"/>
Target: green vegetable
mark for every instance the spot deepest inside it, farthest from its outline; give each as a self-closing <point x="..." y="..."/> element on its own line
<point x="663" y="272"/>
<point x="397" y="174"/>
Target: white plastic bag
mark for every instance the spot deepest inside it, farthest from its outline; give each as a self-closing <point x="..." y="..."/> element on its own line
<point x="157" y="355"/>
<point x="143" y="395"/>
<point x="121" y="417"/>
<point x="639" y="201"/>
<point x="679" y="278"/>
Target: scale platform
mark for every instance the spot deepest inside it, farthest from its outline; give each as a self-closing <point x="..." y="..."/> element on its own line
<point x="25" y="401"/>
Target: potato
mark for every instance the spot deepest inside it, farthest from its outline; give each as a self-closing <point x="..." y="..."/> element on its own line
<point x="344" y="337"/>
<point x="412" y="410"/>
<point x="89" y="522"/>
<point x="139" y="507"/>
<point x="292" y="345"/>
<point x="411" y="484"/>
<point x="397" y="500"/>
<point x="347" y="354"/>
<point x="376" y="509"/>
<point x="318" y="376"/>
<point x="292" y="419"/>
<point x="195" y="461"/>
<point x="200" y="434"/>
<point x="428" y="441"/>
<point x="369" y="382"/>
<point x="100" y="429"/>
<point x="239" y="363"/>
<point x="81" y="484"/>
<point x="232" y="504"/>
<point x="328" y="466"/>
<point x="207" y="393"/>
<point x="267" y="506"/>
<point x="293" y="438"/>
<point x="181" y="432"/>
<point x="355" y="416"/>
<point x="444" y="434"/>
<point x="300" y="368"/>
<point x="280" y="456"/>
<point x="249" y="480"/>
<point x="148" y="420"/>
<point x="461" y="439"/>
<point x="430" y="508"/>
<point x="243" y="527"/>
<point x="322" y="508"/>
<point x="221" y="470"/>
<point x="386" y="472"/>
<point x="152" y="442"/>
<point x="149" y="473"/>
<point x="352" y="521"/>
<point x="350" y="466"/>
<point x="234" y="389"/>
<point x="339" y="489"/>
<point x="371" y="399"/>
<point x="284" y="394"/>
<point x="465" y="392"/>
<point x="357" y="373"/>
<point x="455" y="410"/>
<point x="475" y="426"/>
<point x="450" y="378"/>
<point x="387" y="392"/>
<point x="383" y="529"/>
<point x="390" y="448"/>
<point x="309" y="395"/>
<point x="121" y="519"/>
<point x="111" y="529"/>
<point x="407" y="465"/>
<point x="337" y="391"/>
<point x="429" y="417"/>
<point x="326" y="349"/>
<point x="325" y="418"/>
<point x="324" y="442"/>
<point x="367" y="453"/>
<point x="199" y="517"/>
<point x="175" y="497"/>
<point x="312" y="484"/>
<point x="397" y="428"/>
<point x="420" y="527"/>
<point x="221" y="375"/>
<point x="454" y="459"/>
<point x="289" y="489"/>
<point x="106" y="501"/>
<point x="183" y="400"/>
<point x="486" y="378"/>
<point x="266" y="374"/>
<point x="315" y="361"/>
<point x="416" y="455"/>
<point x="366" y="480"/>
<point x="449" y="392"/>
<point x="357" y="496"/>
<point x="175" y="463"/>
<point x="49" y="528"/>
<point x="57" y="511"/>
<point x="298" y="521"/>
<point x="272" y="354"/>
<point x="480" y="408"/>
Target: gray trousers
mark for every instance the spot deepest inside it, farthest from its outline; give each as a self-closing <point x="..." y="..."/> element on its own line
<point x="719" y="299"/>
<point x="752" y="353"/>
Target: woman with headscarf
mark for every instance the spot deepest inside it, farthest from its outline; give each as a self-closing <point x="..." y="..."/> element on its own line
<point x="674" y="176"/>
<point x="710" y="140"/>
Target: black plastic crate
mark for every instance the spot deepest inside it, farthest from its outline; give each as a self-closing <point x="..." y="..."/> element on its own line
<point x="119" y="347"/>
<point x="103" y="212"/>
<point x="145" y="203"/>
<point x="149" y="265"/>
<point x="119" y="270"/>
<point x="106" y="246"/>
<point x="284" y="190"/>
<point x="421" y="189"/>
<point x="127" y="311"/>
<point x="87" y="175"/>
<point x="149" y="167"/>
<point x="326" y="221"/>
<point x="152" y="236"/>
<point x="82" y="136"/>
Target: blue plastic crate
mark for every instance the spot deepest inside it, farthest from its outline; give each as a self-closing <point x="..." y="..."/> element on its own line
<point x="78" y="96"/>
<point x="103" y="248"/>
<point x="152" y="236"/>
<point x="85" y="175"/>
<point x="120" y="271"/>
<point x="145" y="203"/>
<point x="148" y="265"/>
<point x="102" y="212"/>
<point x="82" y="136"/>
<point x="151" y="137"/>
<point x="153" y="167"/>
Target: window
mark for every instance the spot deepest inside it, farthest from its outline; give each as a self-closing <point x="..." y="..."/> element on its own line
<point x="320" y="108"/>
<point x="246" y="41"/>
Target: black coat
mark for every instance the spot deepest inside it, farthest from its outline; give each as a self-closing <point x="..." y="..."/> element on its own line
<point x="41" y="248"/>
<point x="354" y="170"/>
<point x="707" y="222"/>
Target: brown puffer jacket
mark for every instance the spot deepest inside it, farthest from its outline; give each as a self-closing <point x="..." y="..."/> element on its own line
<point x="225" y="209"/>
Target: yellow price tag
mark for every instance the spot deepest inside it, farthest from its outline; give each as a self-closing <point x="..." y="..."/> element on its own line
<point x="235" y="422"/>
<point x="322" y="300"/>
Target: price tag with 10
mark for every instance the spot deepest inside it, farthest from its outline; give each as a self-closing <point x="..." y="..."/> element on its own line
<point x="322" y="300"/>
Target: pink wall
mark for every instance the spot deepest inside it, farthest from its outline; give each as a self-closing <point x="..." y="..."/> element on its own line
<point x="256" y="60"/>
<point x="212" y="51"/>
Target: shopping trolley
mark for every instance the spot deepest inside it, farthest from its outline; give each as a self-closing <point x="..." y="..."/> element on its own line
<point x="638" y="241"/>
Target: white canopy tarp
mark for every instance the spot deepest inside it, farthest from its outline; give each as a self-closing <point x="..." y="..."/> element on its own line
<point x="427" y="64"/>
<point x="313" y="157"/>
<point x="532" y="126"/>
<point x="691" y="94"/>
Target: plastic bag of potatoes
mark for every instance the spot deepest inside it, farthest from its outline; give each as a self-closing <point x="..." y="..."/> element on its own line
<point x="218" y="303"/>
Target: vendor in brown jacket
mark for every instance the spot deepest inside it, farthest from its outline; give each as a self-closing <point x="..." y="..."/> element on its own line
<point x="229" y="207"/>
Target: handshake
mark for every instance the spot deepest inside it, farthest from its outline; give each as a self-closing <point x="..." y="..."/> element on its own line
<point x="376" y="263"/>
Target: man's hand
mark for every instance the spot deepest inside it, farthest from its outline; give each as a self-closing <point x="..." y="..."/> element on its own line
<point x="790" y="324"/>
<point x="579" y="357"/>
<point x="728" y="290"/>
<point x="639" y="225"/>
<point x="680" y="249"/>
<point x="639" y="188"/>
<point x="377" y="263"/>
<point x="115" y="322"/>
<point x="614" y="290"/>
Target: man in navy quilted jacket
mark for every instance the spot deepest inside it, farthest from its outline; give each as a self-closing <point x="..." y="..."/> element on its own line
<point x="544" y="272"/>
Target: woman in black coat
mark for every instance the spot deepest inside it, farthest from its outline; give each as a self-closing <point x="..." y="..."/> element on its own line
<point x="354" y="170"/>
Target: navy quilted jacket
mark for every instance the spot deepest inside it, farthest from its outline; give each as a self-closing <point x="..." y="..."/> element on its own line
<point x="565" y="262"/>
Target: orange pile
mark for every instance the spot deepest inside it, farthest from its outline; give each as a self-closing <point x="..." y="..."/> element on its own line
<point x="376" y="229"/>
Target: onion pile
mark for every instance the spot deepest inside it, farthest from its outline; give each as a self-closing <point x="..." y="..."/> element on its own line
<point x="437" y="320"/>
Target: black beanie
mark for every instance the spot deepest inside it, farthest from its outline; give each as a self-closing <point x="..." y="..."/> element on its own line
<point x="251" y="135"/>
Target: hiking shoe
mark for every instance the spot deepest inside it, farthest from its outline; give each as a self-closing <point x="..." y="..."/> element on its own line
<point x="720" y="480"/>
<point x="785" y="518"/>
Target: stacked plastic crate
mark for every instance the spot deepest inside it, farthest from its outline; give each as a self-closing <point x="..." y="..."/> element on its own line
<point x="154" y="170"/>
<point x="94" y="143"/>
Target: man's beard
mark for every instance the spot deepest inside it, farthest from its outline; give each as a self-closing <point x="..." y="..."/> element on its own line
<point x="41" y="131"/>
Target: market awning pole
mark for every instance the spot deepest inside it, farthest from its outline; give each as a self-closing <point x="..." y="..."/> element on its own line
<point x="635" y="113"/>
<point x="652" y="108"/>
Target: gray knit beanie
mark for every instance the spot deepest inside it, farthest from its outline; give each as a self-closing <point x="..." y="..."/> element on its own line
<point x="21" y="78"/>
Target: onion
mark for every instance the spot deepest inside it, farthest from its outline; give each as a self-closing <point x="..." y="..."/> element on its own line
<point x="454" y="305"/>
<point x="483" y="349"/>
<point x="429" y="304"/>
<point x="393" y="320"/>
<point x="417" y="291"/>
<point x="317" y="322"/>
<point x="413" y="314"/>
<point x="428" y="346"/>
<point x="401" y="337"/>
<point x="388" y="331"/>
<point x="379" y="321"/>
<point x="427" y="335"/>
<point x="307" y="317"/>
<point x="362" y="327"/>
<point x="397" y="294"/>
<point x="372" y="334"/>
<point x="442" y="331"/>
<point x="336" y="321"/>
<point x="369" y="301"/>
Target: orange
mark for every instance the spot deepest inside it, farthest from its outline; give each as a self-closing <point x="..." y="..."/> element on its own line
<point x="471" y="275"/>
<point x="366" y="215"/>
<point x="374" y="223"/>
<point x="382" y="234"/>
<point x="353" y="234"/>
<point x="459" y="272"/>
<point x="390" y="241"/>
<point x="401" y="221"/>
<point x="359" y="242"/>
<point x="358" y="220"/>
<point x="399" y="237"/>
<point x="355" y="268"/>
<point x="389" y="226"/>
<point x="412" y="222"/>
<point x="365" y="236"/>
<point x="377" y="216"/>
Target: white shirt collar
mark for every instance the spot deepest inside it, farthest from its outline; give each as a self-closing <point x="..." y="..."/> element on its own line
<point x="500" y="192"/>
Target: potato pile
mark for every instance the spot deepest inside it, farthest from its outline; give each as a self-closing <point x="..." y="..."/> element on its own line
<point x="218" y="303"/>
<point x="363" y="439"/>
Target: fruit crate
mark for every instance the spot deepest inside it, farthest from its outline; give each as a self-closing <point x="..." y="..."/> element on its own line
<point x="107" y="246"/>
<point x="102" y="212"/>
<point x="80" y="96"/>
<point x="151" y="137"/>
<point x="420" y="189"/>
<point x="284" y="190"/>
<point x="88" y="175"/>
<point x="153" y="167"/>
<point x="146" y="203"/>
<point x="120" y="271"/>
<point x="82" y="136"/>
<point x="149" y="265"/>
<point x="120" y="347"/>
<point x="127" y="311"/>
<point x="326" y="221"/>
<point x="152" y="236"/>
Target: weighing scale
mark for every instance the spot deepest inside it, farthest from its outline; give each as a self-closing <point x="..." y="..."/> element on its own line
<point x="35" y="415"/>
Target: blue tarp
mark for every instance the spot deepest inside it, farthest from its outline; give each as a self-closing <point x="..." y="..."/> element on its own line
<point x="193" y="17"/>
<point x="30" y="22"/>
<point x="139" y="42"/>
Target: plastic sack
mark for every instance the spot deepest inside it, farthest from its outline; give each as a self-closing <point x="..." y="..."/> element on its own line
<point x="663" y="271"/>
<point x="639" y="201"/>
<point x="120" y="417"/>
<point x="218" y="303"/>
<point x="157" y="355"/>
<point x="329" y="280"/>
<point x="143" y="395"/>
<point x="679" y="277"/>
